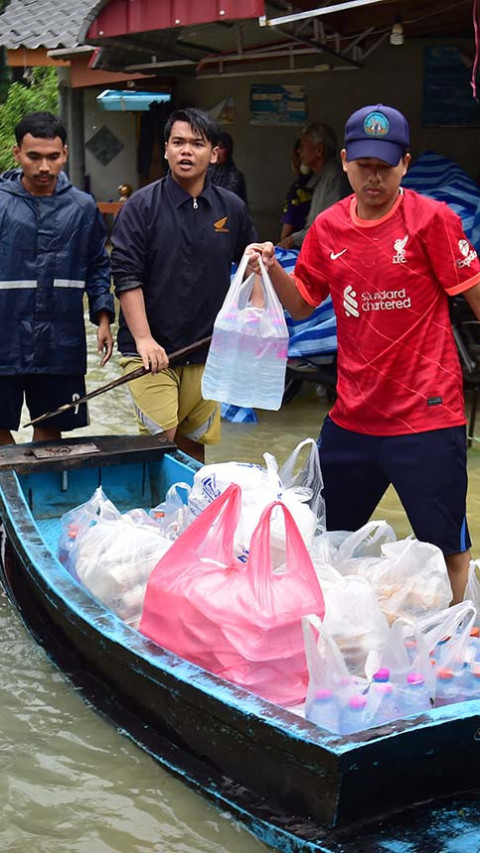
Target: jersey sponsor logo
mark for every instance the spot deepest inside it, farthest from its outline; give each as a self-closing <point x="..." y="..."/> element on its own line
<point x="335" y="255"/>
<point x="219" y="226"/>
<point x="469" y="254"/>
<point x="376" y="125"/>
<point x="385" y="300"/>
<point x="349" y="302"/>
<point x="400" y="256"/>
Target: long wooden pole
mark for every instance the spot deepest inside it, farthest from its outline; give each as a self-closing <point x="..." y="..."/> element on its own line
<point x="128" y="377"/>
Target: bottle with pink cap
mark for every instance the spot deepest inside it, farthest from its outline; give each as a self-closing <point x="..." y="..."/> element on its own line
<point x="352" y="715"/>
<point x="323" y="710"/>
<point x="416" y="697"/>
<point x="383" y="699"/>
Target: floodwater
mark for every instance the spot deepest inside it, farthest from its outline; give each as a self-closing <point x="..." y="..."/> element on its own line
<point x="69" y="781"/>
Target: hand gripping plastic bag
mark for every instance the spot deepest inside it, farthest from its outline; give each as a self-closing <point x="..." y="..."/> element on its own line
<point x="247" y="360"/>
<point x="238" y="619"/>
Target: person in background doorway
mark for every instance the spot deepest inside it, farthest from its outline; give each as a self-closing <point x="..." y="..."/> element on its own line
<point x="390" y="258"/>
<point x="52" y="242"/>
<point x="224" y="173"/>
<point x="173" y="245"/>
<point x="328" y="184"/>
<point x="297" y="203"/>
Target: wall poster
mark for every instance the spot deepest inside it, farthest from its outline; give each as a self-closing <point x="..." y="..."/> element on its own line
<point x="276" y="104"/>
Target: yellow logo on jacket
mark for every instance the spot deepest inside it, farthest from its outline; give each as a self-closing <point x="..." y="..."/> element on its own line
<point x="220" y="226"/>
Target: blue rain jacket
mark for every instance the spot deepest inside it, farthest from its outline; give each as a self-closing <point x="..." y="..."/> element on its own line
<point x="52" y="251"/>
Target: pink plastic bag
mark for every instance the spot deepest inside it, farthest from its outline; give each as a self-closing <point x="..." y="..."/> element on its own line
<point x="240" y="620"/>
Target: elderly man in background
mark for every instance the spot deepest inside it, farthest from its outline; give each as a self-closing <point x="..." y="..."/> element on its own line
<point x="328" y="184"/>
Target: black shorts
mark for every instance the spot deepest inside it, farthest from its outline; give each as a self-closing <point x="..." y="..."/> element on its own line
<point x="428" y="471"/>
<point x="42" y="394"/>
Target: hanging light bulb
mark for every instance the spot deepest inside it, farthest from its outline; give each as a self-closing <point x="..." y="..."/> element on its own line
<point x="396" y="36"/>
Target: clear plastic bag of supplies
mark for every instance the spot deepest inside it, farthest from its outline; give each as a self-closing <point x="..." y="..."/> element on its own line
<point x="397" y="683"/>
<point x="307" y="477"/>
<point x="77" y="520"/>
<point x="455" y="653"/>
<point x="259" y="487"/>
<point x="115" y="557"/>
<point x="240" y="620"/>
<point x="247" y="360"/>
<point x="410" y="579"/>
<point x="354" y="621"/>
<point x="472" y="591"/>
<point x="173" y="515"/>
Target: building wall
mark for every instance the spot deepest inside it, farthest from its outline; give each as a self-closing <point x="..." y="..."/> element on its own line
<point x="104" y="180"/>
<point x="393" y="75"/>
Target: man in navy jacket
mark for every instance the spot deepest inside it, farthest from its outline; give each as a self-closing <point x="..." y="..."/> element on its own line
<point x="52" y="251"/>
<point x="173" y="244"/>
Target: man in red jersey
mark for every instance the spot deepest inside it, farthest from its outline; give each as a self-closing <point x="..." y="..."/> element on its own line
<point x="390" y="258"/>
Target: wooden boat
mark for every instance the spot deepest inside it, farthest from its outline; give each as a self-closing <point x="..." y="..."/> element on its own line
<point x="295" y="786"/>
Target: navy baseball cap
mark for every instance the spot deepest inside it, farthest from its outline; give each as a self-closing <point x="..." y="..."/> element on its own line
<point x="377" y="131"/>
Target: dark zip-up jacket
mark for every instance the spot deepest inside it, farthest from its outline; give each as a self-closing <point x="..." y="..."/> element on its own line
<point x="179" y="251"/>
<point x="52" y="251"/>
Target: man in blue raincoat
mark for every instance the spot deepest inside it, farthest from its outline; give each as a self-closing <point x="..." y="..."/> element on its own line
<point x="52" y="251"/>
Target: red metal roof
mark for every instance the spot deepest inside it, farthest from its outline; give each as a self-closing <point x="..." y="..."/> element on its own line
<point x="121" y="17"/>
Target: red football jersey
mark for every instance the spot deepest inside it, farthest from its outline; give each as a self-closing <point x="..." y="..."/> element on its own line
<point x="398" y="368"/>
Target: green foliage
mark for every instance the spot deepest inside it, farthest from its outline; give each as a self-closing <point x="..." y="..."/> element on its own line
<point x="40" y="94"/>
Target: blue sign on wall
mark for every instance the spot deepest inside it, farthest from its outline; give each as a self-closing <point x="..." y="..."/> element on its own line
<point x="275" y="104"/>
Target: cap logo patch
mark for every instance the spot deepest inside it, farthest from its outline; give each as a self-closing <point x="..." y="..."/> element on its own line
<point x="376" y="125"/>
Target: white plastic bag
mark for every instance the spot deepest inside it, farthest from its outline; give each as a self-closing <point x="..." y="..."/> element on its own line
<point x="259" y="487"/>
<point x="115" y="559"/>
<point x="77" y="520"/>
<point x="355" y="622"/>
<point x="173" y="515"/>
<point x="247" y="360"/>
<point x="410" y="579"/>
<point x="308" y="478"/>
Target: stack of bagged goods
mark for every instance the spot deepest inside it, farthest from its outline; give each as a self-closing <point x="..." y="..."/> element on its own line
<point x="112" y="553"/>
<point x="237" y="574"/>
<point x="416" y="666"/>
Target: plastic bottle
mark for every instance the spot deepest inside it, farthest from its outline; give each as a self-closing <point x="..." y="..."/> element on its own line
<point x="352" y="715"/>
<point x="67" y="545"/>
<point x="468" y="683"/>
<point x="446" y="688"/>
<point x="440" y="652"/>
<point x="383" y="701"/>
<point x="324" y="710"/>
<point x="416" y="698"/>
<point x="247" y="367"/>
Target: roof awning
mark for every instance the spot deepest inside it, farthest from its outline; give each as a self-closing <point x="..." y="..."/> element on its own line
<point x="127" y="99"/>
<point x="232" y="38"/>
